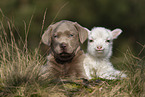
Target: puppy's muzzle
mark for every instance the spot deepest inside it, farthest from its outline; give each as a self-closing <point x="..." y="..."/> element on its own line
<point x="63" y="46"/>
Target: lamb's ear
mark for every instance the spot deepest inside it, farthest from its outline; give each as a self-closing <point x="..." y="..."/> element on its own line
<point x="83" y="32"/>
<point x="116" y="33"/>
<point x="46" y="37"/>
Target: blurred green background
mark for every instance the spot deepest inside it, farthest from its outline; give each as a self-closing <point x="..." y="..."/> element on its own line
<point x="128" y="15"/>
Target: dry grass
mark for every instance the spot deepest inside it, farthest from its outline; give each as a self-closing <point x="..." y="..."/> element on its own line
<point x="20" y="73"/>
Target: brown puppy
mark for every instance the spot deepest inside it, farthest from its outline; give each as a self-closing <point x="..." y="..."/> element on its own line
<point x="65" y="58"/>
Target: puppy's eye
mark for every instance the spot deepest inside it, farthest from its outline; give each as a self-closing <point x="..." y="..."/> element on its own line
<point x="71" y="35"/>
<point x="55" y="36"/>
<point x="91" y="40"/>
<point x="108" y="41"/>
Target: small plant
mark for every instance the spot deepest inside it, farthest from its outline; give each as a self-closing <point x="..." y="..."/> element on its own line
<point x="19" y="68"/>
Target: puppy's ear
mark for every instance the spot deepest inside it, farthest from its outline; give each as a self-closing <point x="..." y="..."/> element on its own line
<point x="46" y="37"/>
<point x="83" y="32"/>
<point x="87" y="30"/>
<point x="116" y="33"/>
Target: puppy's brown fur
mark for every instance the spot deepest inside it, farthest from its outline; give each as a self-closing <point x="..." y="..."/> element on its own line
<point x="66" y="58"/>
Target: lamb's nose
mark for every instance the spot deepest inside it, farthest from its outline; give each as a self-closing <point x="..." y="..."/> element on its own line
<point x="63" y="45"/>
<point x="99" y="48"/>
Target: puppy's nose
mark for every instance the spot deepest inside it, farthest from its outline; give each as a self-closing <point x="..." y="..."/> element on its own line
<point x="63" y="45"/>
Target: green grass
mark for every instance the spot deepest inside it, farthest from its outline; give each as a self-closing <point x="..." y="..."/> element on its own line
<point x="20" y="74"/>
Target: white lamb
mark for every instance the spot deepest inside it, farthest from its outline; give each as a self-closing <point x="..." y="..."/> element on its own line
<point x="96" y="63"/>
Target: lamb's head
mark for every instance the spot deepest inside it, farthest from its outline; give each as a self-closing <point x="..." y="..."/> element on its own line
<point x="100" y="41"/>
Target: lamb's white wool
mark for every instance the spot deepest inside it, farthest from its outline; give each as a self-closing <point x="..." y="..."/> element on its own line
<point x="99" y="51"/>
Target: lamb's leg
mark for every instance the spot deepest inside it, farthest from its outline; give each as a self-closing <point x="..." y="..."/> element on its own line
<point x="110" y="73"/>
<point x="87" y="71"/>
<point x="115" y="74"/>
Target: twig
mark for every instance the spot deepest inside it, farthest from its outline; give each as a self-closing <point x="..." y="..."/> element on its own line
<point x="141" y="49"/>
<point x="59" y="12"/>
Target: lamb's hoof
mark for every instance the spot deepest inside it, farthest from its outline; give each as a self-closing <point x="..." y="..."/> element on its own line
<point x="85" y="82"/>
<point x="98" y="81"/>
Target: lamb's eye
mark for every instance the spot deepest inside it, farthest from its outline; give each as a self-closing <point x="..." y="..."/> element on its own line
<point x="108" y="41"/>
<point x="91" y="40"/>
